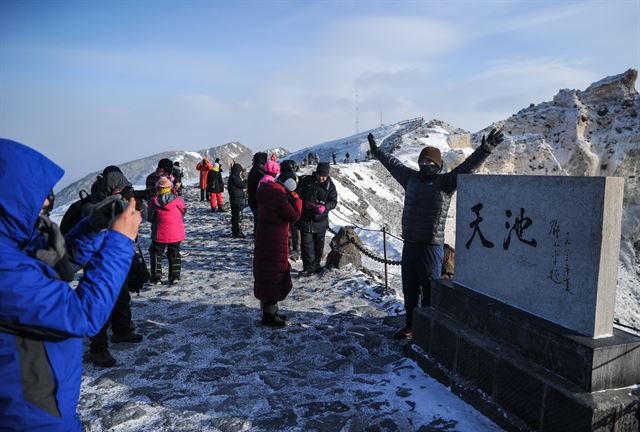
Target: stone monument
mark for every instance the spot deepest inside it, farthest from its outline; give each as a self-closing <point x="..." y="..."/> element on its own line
<point x="526" y="326"/>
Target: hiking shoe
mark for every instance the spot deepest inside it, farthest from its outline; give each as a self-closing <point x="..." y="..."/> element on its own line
<point x="306" y="273"/>
<point x="184" y="254"/>
<point x="240" y="235"/>
<point x="174" y="281"/>
<point x="272" y="321"/>
<point x="403" y="333"/>
<point x="102" y="359"/>
<point x="282" y="317"/>
<point x="127" y="338"/>
<point x="154" y="281"/>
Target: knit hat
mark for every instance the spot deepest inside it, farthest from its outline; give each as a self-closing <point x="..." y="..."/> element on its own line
<point x="272" y="167"/>
<point x="323" y="169"/>
<point x="165" y="164"/>
<point x="215" y="167"/>
<point x="288" y="166"/>
<point x="163" y="182"/>
<point x="260" y="158"/>
<point x="431" y="154"/>
<point x="289" y="180"/>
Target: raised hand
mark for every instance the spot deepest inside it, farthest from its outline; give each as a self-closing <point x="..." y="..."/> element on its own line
<point x="495" y="137"/>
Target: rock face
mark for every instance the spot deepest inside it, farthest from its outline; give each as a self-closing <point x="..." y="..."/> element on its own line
<point x="343" y="251"/>
<point x="595" y="132"/>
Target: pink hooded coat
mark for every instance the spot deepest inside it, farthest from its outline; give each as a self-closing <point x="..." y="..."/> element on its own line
<point x="166" y="216"/>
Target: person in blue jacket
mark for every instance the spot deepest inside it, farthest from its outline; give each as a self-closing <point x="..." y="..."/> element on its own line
<point x="42" y="318"/>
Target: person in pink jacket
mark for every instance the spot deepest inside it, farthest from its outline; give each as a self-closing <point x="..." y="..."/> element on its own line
<point x="271" y="170"/>
<point x="166" y="212"/>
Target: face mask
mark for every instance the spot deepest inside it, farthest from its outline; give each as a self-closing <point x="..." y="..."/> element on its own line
<point x="429" y="170"/>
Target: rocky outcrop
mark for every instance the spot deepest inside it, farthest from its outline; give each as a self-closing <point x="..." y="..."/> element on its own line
<point x="595" y="132"/>
<point x="343" y="250"/>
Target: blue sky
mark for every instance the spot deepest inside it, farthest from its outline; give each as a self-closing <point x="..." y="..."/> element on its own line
<point x="91" y="83"/>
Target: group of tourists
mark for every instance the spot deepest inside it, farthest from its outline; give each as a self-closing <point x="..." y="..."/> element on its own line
<point x="43" y="319"/>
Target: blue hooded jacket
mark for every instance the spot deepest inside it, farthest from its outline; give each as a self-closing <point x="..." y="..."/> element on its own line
<point x="43" y="319"/>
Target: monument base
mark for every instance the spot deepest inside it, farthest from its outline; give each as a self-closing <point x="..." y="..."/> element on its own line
<point x="510" y="388"/>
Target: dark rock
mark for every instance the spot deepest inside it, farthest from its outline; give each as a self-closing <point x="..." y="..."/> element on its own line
<point x="320" y="407"/>
<point x="332" y="422"/>
<point x="210" y="374"/>
<point x="231" y="424"/>
<point x="278" y="421"/>
<point x="439" y="425"/>
<point x="162" y="372"/>
<point x="603" y="111"/>
<point x="403" y="392"/>
<point x="186" y="350"/>
<point x="343" y="250"/>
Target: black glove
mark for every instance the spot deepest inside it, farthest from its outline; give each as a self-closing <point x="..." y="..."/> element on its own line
<point x="372" y="143"/>
<point x="101" y="213"/>
<point x="55" y="255"/>
<point x="495" y="137"/>
<point x="55" y="242"/>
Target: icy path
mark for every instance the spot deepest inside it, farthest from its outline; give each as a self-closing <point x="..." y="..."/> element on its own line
<point x="207" y="364"/>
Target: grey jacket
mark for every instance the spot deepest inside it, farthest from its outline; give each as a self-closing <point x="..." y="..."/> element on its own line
<point x="427" y="198"/>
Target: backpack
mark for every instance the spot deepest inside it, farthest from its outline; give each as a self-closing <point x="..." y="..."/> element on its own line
<point x="138" y="273"/>
<point x="73" y="215"/>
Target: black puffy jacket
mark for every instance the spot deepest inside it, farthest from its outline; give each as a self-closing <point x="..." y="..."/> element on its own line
<point x="311" y="191"/>
<point x="255" y="175"/>
<point x="215" y="184"/>
<point x="236" y="186"/>
<point x="427" y="198"/>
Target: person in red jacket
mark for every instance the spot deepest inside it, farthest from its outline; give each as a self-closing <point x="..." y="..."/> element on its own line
<point x="279" y="206"/>
<point x="166" y="212"/>
<point x="204" y="167"/>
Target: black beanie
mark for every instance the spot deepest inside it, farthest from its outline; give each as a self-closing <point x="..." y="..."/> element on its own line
<point x="110" y="168"/>
<point x="165" y="164"/>
<point x="260" y="158"/>
<point x="288" y="166"/>
<point x="323" y="169"/>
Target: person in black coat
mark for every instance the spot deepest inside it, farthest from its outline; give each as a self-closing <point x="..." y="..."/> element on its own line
<point x="319" y="196"/>
<point x="255" y="175"/>
<point x="215" y="187"/>
<point x="237" y="185"/>
<point x="426" y="204"/>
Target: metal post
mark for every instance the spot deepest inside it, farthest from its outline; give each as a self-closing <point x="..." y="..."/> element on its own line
<point x="384" y="243"/>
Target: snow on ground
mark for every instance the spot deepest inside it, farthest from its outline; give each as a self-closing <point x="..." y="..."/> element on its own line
<point x="207" y="364"/>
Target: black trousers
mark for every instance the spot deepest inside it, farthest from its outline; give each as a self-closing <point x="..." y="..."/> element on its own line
<point x="294" y="238"/>
<point x="120" y="321"/>
<point x="156" y="250"/>
<point x="421" y="262"/>
<point x="236" y="219"/>
<point x="311" y="248"/>
<point x="254" y="210"/>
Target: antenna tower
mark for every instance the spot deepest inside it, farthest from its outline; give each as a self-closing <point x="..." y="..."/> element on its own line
<point x="357" y="111"/>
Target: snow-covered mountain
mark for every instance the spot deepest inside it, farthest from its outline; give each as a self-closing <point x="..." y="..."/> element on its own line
<point x="137" y="170"/>
<point x="590" y="132"/>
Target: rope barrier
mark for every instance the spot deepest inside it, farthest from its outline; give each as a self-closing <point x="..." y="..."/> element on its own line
<point x="372" y="255"/>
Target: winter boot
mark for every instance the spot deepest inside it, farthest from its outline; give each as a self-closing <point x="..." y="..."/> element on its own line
<point x="130" y="337"/>
<point x="102" y="358"/>
<point x="270" y="316"/>
<point x="272" y="320"/>
<point x="403" y="333"/>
